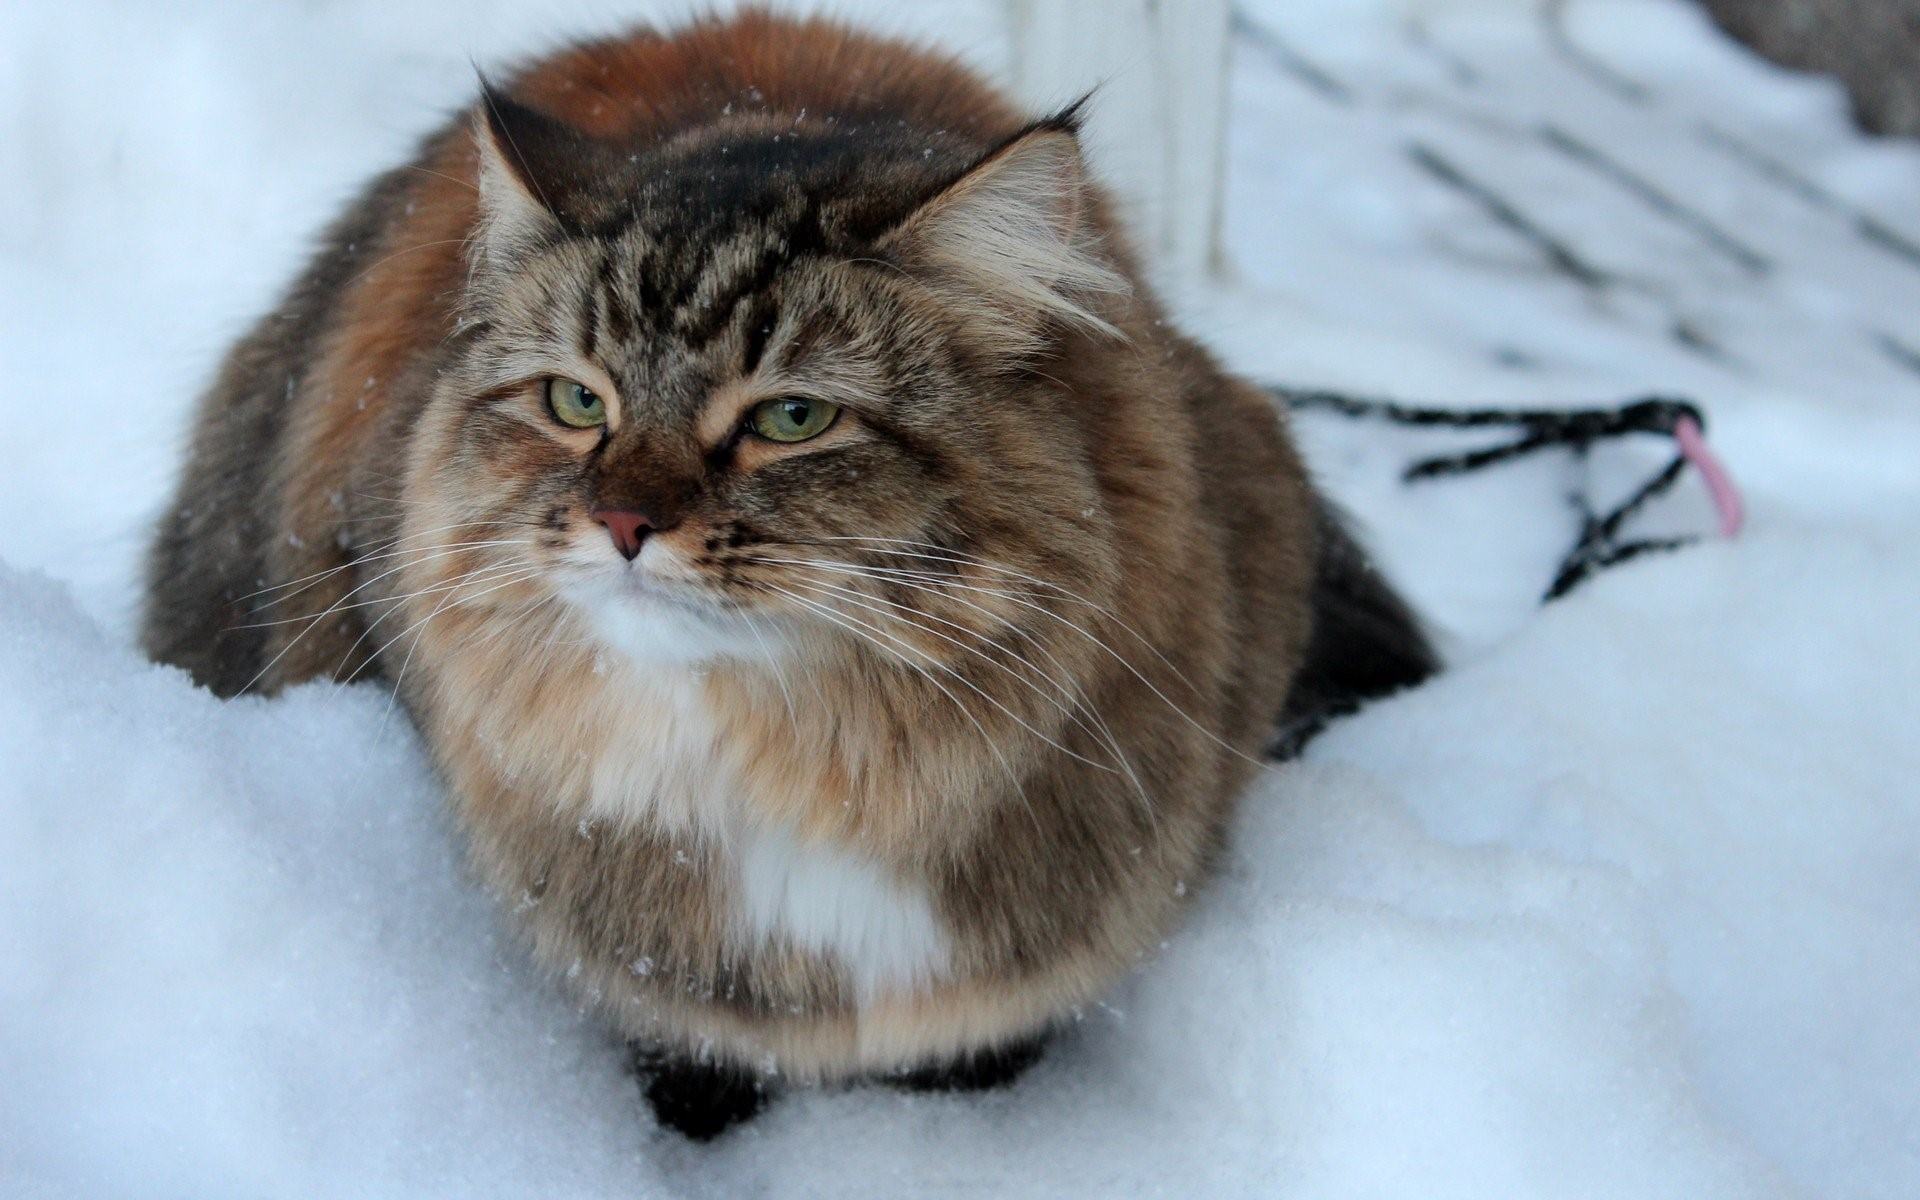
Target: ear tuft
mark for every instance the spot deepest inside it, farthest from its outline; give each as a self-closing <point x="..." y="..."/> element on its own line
<point x="515" y="217"/>
<point x="1070" y="118"/>
<point x="539" y="177"/>
<point x="1010" y="239"/>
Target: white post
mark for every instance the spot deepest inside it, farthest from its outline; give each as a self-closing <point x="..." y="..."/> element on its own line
<point x="1157" y="128"/>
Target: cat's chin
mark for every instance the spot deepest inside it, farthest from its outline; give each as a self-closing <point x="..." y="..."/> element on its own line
<point x="655" y="626"/>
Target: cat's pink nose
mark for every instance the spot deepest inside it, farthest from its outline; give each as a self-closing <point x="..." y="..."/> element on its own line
<point x="629" y="528"/>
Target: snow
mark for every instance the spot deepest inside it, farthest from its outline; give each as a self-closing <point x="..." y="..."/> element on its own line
<point x="1624" y="905"/>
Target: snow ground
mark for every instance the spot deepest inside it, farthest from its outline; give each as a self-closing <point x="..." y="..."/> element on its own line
<point x="1625" y="905"/>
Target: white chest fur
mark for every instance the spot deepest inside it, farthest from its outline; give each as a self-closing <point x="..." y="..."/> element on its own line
<point x="824" y="898"/>
<point x="669" y="769"/>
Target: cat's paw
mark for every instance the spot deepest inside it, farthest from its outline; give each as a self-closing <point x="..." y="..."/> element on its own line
<point x="700" y="1101"/>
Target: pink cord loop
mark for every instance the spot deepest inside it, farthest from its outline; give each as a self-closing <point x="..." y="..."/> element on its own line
<point x="1720" y="485"/>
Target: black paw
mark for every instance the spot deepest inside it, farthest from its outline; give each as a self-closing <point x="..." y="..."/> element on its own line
<point x="980" y="1071"/>
<point x="698" y="1100"/>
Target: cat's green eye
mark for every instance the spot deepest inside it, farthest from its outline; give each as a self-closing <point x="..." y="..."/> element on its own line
<point x="572" y="404"/>
<point x="792" y="418"/>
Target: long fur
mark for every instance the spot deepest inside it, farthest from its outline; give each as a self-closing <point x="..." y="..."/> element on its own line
<point x="890" y="747"/>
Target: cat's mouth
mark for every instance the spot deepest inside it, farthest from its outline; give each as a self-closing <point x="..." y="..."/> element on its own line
<point x="647" y="588"/>
<point x="643" y="587"/>
<point x="653" y="614"/>
<point x="657" y="575"/>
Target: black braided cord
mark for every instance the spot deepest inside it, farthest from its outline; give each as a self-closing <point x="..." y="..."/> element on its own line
<point x="1599" y="544"/>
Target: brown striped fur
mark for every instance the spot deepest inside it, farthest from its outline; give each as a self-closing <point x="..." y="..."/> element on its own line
<point x="1113" y="541"/>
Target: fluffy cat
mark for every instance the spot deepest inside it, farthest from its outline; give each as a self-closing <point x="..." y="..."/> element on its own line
<point x="842" y="608"/>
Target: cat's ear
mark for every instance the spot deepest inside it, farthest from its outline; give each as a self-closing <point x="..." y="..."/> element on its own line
<point x="1011" y="240"/>
<point x="538" y="176"/>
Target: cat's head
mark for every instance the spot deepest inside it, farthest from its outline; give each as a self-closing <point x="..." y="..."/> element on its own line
<point x="759" y="378"/>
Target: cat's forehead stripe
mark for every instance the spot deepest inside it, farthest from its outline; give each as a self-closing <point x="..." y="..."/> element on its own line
<point x="663" y="265"/>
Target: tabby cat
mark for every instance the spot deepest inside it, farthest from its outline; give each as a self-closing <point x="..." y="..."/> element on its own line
<point x="841" y="607"/>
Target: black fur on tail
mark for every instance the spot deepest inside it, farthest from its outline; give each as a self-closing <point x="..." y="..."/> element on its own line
<point x="1366" y="642"/>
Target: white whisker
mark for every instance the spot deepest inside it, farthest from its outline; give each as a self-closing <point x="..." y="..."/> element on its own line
<point x="480" y="574"/>
<point x="836" y="618"/>
<point x="453" y="599"/>
<point x="317" y="576"/>
<point x="1076" y="627"/>
<point x="857" y="599"/>
<point x="779" y="675"/>
<point x="1082" y="704"/>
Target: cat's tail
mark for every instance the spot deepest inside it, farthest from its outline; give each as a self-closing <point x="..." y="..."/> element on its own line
<point x="1366" y="641"/>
